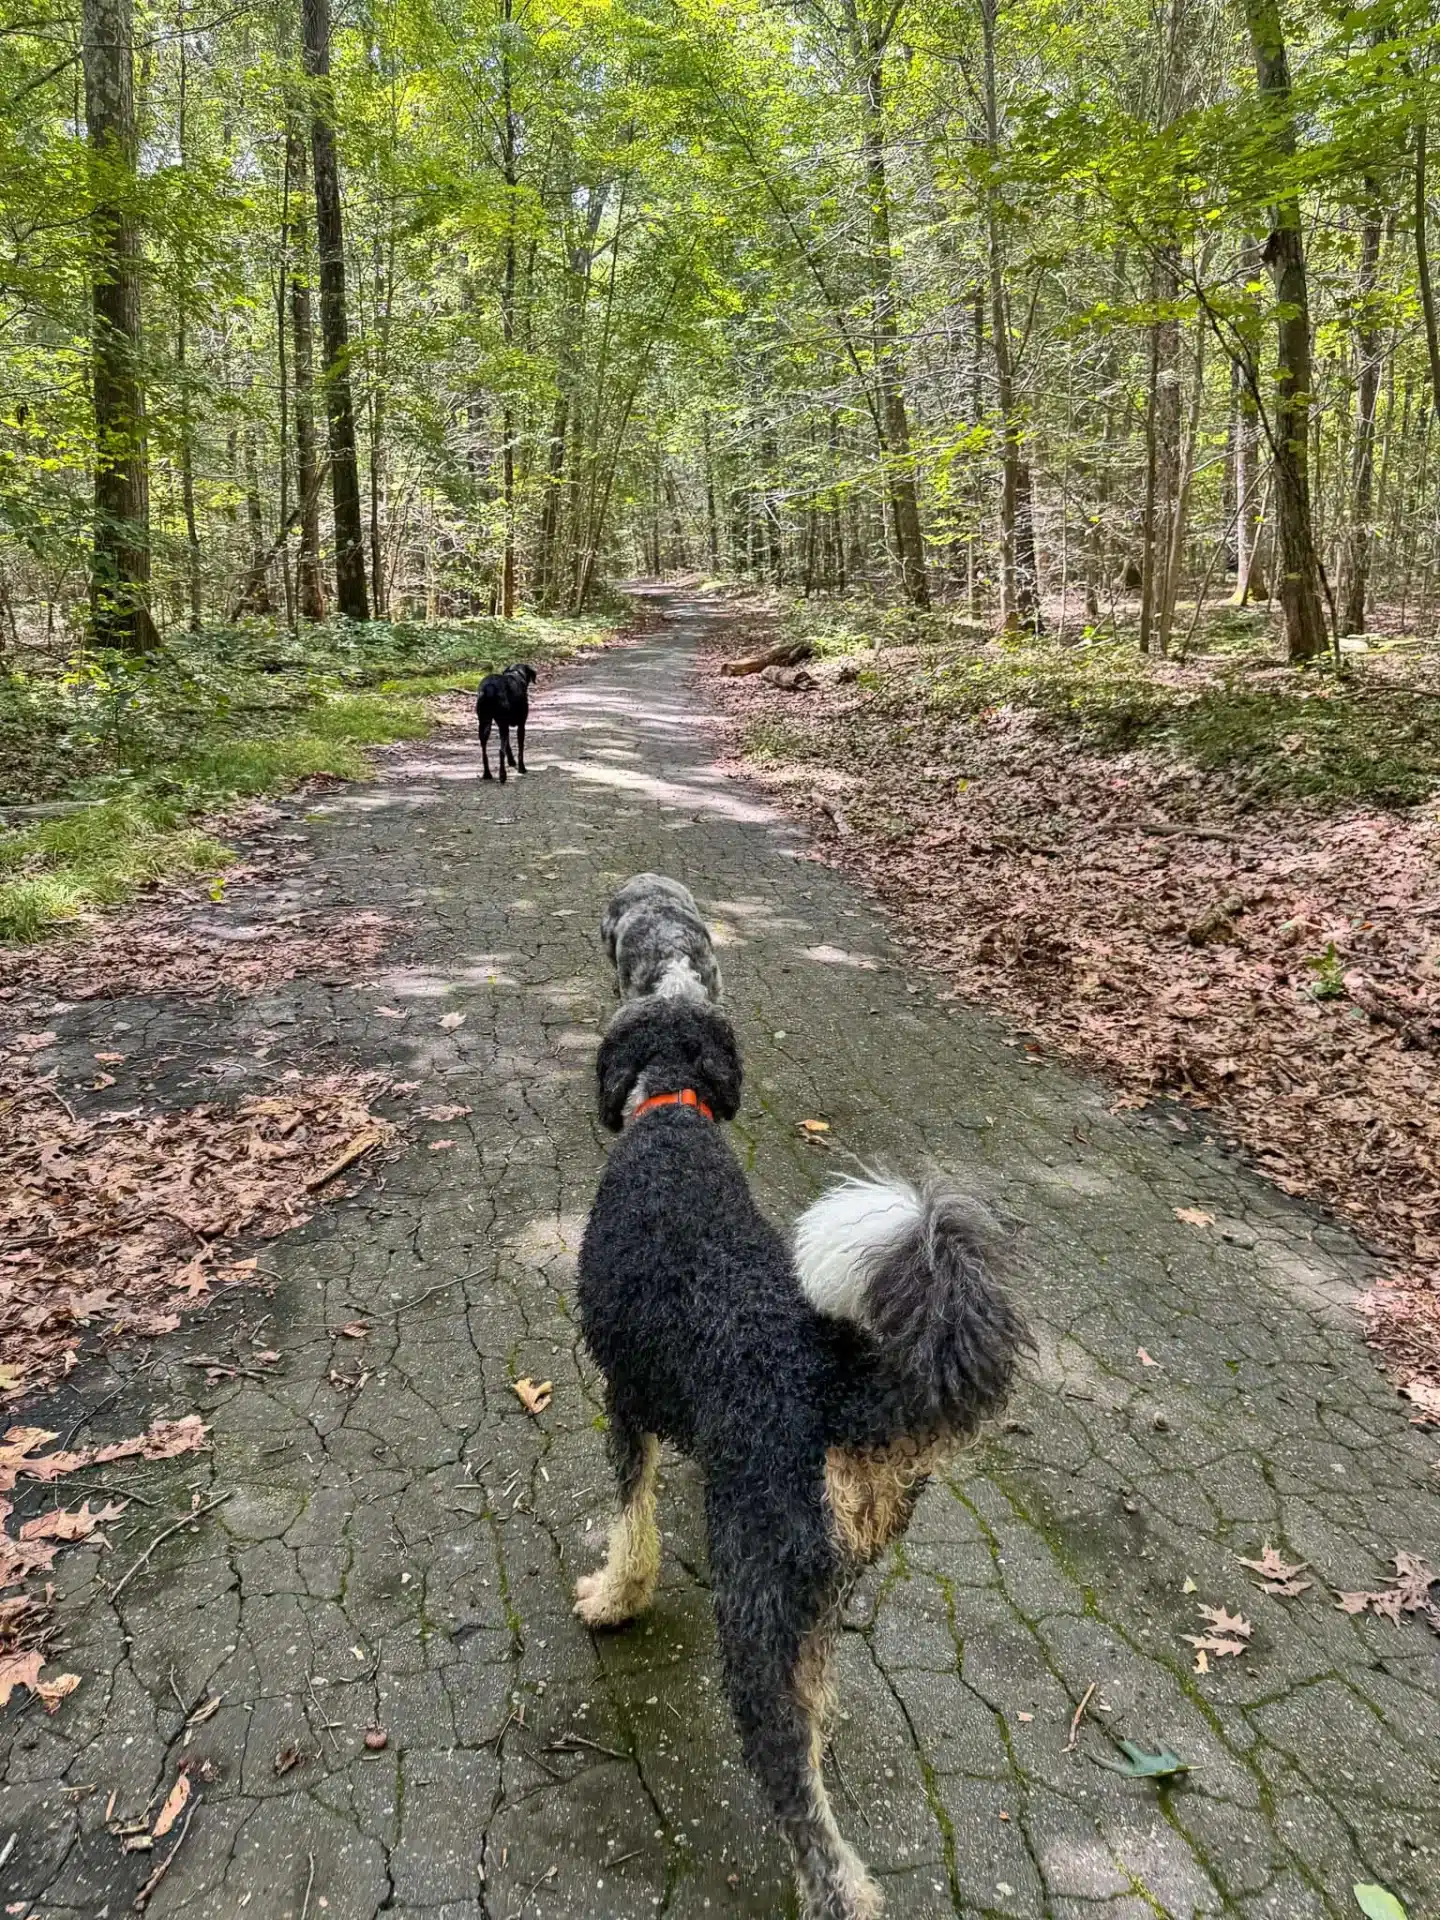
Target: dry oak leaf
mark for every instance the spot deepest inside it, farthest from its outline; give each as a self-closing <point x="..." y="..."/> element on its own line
<point x="456" y="1112"/>
<point x="354" y="1329"/>
<point x="19" y="1670"/>
<point x="1224" y="1622"/>
<point x="164" y="1441"/>
<point x="51" y="1692"/>
<point x="174" y="1806"/>
<point x="441" y="1146"/>
<point x="1144" y="1358"/>
<point x="534" y="1396"/>
<point x="1195" y="1216"/>
<point x="815" y="1126"/>
<point x="1212" y="1643"/>
<point x="1275" y="1576"/>
<point x="63" y="1526"/>
<point x="452" y="1020"/>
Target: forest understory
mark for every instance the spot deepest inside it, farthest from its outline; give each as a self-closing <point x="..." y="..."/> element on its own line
<point x="1212" y="882"/>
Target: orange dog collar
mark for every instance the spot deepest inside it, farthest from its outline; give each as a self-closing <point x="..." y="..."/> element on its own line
<point x="686" y="1097"/>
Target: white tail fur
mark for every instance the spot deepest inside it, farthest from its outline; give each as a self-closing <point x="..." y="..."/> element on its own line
<point x="843" y="1236"/>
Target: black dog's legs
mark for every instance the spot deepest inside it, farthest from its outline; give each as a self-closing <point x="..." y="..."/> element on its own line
<point x="520" y="741"/>
<point x="775" y="1645"/>
<point x="505" y="753"/>
<point x="484" y="749"/>
<point x="625" y="1585"/>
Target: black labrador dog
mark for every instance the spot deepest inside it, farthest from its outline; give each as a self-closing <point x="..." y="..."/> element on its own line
<point x="504" y="701"/>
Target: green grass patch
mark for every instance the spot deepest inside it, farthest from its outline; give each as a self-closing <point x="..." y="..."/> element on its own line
<point x="230" y="714"/>
<point x="63" y="868"/>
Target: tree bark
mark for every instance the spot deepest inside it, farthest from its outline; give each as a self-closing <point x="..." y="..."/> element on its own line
<point x="1362" y="462"/>
<point x="311" y="578"/>
<point x="868" y="42"/>
<point x="120" y="578"/>
<point x="1019" y="598"/>
<point x="1298" y="562"/>
<point x="350" y="591"/>
<point x="1422" y="245"/>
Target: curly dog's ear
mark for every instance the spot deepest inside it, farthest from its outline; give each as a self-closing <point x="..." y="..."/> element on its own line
<point x="619" y="1064"/>
<point x="720" y="1066"/>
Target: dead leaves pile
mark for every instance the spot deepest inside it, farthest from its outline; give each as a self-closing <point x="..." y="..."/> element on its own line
<point x="160" y="950"/>
<point x="26" y="1623"/>
<point x="1183" y="961"/>
<point x="113" y="1223"/>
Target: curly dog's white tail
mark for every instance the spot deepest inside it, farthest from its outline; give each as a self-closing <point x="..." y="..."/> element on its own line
<point x="911" y="1266"/>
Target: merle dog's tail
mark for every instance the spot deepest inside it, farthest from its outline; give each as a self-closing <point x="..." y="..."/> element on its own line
<point x="912" y="1268"/>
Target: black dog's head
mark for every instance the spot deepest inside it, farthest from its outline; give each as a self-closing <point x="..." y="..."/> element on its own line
<point x="668" y="1044"/>
<point x="522" y="670"/>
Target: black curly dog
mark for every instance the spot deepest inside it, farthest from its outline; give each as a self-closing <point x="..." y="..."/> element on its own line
<point x="504" y="701"/>
<point x="815" y="1429"/>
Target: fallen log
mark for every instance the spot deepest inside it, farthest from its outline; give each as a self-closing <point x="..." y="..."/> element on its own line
<point x="786" y="653"/>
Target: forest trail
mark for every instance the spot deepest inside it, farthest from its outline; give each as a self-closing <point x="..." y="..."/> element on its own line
<point x="400" y="1538"/>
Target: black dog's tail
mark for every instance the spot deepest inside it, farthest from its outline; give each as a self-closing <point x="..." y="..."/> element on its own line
<point x="911" y="1266"/>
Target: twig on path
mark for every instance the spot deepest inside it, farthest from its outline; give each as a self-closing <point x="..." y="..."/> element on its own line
<point x="1193" y="833"/>
<point x="199" y="1513"/>
<point x="1079" y="1716"/>
<point x="548" y="1874"/>
<point x="142" y="1899"/>
<point x="568" y="1741"/>
<point x="358" y="1147"/>
<point x="439" y="1287"/>
<point x="309" y="1889"/>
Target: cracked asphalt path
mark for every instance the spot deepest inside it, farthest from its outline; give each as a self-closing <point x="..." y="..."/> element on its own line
<point x="400" y="1553"/>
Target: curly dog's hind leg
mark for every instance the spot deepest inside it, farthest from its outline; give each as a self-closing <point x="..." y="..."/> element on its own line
<point x="625" y="1585"/>
<point x="781" y="1717"/>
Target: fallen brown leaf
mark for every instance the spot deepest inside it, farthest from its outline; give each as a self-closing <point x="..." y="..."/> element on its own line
<point x="443" y="1113"/>
<point x="1195" y="1216"/>
<point x="1144" y="1358"/>
<point x="815" y="1126"/>
<point x="355" y="1330"/>
<point x="452" y="1020"/>
<point x="534" y="1398"/>
<point x="1228" y="1623"/>
<point x="175" y="1802"/>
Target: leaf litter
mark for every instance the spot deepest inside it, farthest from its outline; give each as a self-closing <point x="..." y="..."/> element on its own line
<point x="110" y="1224"/>
<point x="26" y="1621"/>
<point x="1070" y="889"/>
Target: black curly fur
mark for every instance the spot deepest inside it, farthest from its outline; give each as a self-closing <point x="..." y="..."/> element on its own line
<point x="690" y="1302"/>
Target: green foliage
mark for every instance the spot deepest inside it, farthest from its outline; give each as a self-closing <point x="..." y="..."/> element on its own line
<point x="94" y="858"/>
<point x="1328" y="974"/>
<point x="1292" y="736"/>
<point x="1378" y="1903"/>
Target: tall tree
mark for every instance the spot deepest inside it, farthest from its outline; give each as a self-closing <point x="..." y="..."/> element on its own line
<point x="1297" y="561"/>
<point x="350" y="589"/>
<point x="120" y="575"/>
<point x="869" y="33"/>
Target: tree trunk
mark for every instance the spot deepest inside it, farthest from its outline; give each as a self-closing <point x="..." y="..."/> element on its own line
<point x="350" y="590"/>
<point x="1297" y="561"/>
<point x="311" y="593"/>
<point x="1019" y="601"/>
<point x="120" y="580"/>
<point x="868" y="41"/>
<point x="255" y="593"/>
<point x="1422" y="244"/>
<point x="1362" y="463"/>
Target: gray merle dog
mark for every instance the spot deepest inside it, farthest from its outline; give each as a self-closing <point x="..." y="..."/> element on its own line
<point x="817" y="1388"/>
<point x="658" y="944"/>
